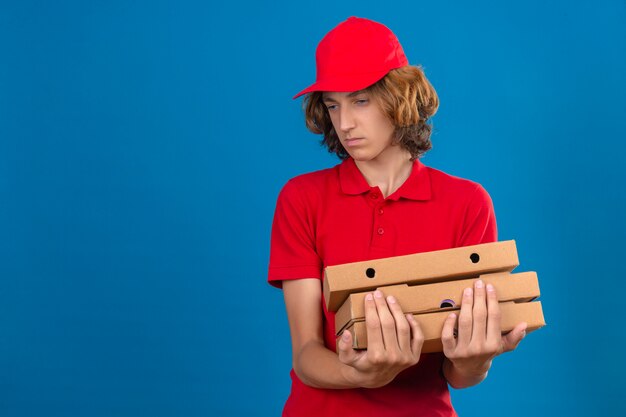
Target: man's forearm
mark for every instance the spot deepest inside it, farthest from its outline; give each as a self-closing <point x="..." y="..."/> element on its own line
<point x="457" y="379"/>
<point x="319" y="367"/>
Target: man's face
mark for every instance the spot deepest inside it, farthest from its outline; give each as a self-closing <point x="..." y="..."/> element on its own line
<point x="363" y="129"/>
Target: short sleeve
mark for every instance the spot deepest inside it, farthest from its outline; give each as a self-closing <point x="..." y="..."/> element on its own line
<point x="479" y="223"/>
<point x="293" y="252"/>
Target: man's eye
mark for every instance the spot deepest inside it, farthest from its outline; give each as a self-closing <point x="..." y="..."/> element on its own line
<point x="331" y="107"/>
<point x="362" y="101"/>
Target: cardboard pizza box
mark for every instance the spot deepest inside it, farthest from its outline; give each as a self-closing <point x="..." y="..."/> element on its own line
<point x="425" y="298"/>
<point x="419" y="268"/>
<point x="432" y="324"/>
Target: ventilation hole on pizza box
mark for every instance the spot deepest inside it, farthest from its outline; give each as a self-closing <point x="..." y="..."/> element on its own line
<point x="475" y="258"/>
<point x="370" y="272"/>
<point x="447" y="303"/>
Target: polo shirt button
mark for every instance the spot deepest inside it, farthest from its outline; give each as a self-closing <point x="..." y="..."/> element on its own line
<point x="380" y="211"/>
<point x="374" y="196"/>
<point x="381" y="230"/>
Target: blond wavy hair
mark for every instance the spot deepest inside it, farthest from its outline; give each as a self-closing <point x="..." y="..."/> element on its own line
<point x="407" y="98"/>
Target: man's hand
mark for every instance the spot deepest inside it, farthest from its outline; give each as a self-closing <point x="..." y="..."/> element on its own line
<point x="394" y="343"/>
<point x="479" y="337"/>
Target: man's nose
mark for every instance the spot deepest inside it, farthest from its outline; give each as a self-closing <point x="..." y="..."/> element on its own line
<point x="346" y="121"/>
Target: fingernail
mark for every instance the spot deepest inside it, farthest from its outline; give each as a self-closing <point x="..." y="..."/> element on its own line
<point x="468" y="292"/>
<point x="523" y="334"/>
<point x="369" y="297"/>
<point x="345" y="336"/>
<point x="378" y="294"/>
<point x="410" y="317"/>
<point x="479" y="284"/>
<point x="452" y="316"/>
<point x="490" y="288"/>
<point x="391" y="299"/>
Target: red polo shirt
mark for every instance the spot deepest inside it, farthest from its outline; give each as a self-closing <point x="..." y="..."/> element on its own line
<point x="333" y="216"/>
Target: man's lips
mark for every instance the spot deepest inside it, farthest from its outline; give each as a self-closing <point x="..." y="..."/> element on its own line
<point x="353" y="141"/>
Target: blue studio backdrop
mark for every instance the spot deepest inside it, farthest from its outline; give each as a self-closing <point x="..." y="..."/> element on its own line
<point x="142" y="148"/>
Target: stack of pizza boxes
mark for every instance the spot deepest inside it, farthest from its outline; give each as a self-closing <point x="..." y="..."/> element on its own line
<point x="430" y="285"/>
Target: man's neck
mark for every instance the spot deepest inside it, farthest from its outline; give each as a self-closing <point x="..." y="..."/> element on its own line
<point x="388" y="171"/>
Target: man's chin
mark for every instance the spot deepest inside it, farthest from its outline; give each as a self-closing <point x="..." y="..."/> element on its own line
<point x="360" y="156"/>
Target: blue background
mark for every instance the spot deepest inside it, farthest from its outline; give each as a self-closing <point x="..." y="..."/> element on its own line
<point x="142" y="147"/>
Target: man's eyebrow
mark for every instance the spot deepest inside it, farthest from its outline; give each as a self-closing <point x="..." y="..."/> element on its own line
<point x="356" y="93"/>
<point x="352" y="94"/>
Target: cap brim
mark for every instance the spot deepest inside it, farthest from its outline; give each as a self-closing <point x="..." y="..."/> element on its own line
<point x="347" y="84"/>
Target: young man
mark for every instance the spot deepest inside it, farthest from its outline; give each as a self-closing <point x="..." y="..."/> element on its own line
<point x="381" y="201"/>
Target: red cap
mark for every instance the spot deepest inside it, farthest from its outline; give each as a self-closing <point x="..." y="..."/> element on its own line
<point x="354" y="55"/>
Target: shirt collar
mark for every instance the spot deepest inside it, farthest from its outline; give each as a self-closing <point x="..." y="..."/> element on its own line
<point x="416" y="187"/>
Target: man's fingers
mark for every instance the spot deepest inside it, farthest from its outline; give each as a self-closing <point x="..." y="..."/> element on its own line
<point x="512" y="339"/>
<point x="447" y="335"/>
<point x="346" y="354"/>
<point x="387" y="322"/>
<point x="494" y="315"/>
<point x="479" y="314"/>
<point x="402" y="325"/>
<point x="417" y="336"/>
<point x="465" y="318"/>
<point x="372" y="324"/>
